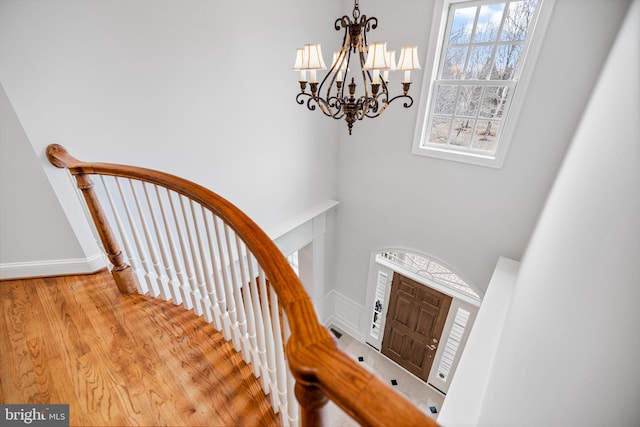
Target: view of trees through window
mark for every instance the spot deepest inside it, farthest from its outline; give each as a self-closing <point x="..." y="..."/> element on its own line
<point x="482" y="53"/>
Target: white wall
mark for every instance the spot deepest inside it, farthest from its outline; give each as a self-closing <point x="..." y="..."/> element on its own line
<point x="202" y="89"/>
<point x="464" y="215"/>
<point x="570" y="347"/>
<point x="26" y="195"/>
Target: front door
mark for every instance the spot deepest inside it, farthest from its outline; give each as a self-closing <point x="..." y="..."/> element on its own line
<point x="414" y="324"/>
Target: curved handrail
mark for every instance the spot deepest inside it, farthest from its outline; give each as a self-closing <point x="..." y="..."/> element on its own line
<point x="319" y="367"/>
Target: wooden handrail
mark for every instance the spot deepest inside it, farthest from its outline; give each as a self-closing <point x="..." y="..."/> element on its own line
<point x="321" y="370"/>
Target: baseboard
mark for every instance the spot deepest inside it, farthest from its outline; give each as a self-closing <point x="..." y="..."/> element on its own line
<point x="58" y="267"/>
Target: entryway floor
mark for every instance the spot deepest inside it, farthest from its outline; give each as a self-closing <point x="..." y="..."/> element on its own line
<point x="417" y="391"/>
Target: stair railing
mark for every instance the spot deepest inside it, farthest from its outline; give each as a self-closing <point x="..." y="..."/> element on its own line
<point x="184" y="243"/>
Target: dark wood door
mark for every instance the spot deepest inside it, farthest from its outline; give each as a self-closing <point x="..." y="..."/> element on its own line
<point x="414" y="324"/>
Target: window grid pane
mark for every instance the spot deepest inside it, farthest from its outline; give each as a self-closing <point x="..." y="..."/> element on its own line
<point x="468" y="116"/>
<point x="477" y="75"/>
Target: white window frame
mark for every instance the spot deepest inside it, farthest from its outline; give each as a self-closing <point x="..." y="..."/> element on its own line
<point x="438" y="28"/>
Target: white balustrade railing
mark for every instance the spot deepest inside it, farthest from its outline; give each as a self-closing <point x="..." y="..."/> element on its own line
<point x="186" y="244"/>
<point x="182" y="252"/>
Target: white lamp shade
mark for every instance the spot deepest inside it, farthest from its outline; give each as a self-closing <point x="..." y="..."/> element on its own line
<point x="339" y="61"/>
<point x="391" y="60"/>
<point x="299" y="64"/>
<point x="312" y="58"/>
<point x="409" y="58"/>
<point x="376" y="57"/>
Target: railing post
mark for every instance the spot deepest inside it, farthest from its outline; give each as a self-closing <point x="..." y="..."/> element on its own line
<point x="312" y="401"/>
<point x="121" y="271"/>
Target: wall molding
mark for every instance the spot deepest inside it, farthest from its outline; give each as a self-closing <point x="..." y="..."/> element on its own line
<point x="346" y="314"/>
<point x="57" y="267"/>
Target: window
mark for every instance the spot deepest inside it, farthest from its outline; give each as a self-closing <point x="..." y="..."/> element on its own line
<point x="473" y="90"/>
<point x="429" y="268"/>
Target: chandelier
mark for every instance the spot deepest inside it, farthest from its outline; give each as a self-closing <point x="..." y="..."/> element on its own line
<point x="369" y="97"/>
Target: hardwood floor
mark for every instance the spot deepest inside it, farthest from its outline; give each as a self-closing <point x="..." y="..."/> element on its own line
<point x="120" y="360"/>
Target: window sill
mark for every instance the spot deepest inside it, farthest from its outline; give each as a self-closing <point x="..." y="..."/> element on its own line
<point x="486" y="160"/>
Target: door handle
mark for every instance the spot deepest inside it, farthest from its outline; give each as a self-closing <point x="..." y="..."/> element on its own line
<point x="431" y="347"/>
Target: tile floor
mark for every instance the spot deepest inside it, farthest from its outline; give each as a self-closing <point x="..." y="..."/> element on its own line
<point x="419" y="392"/>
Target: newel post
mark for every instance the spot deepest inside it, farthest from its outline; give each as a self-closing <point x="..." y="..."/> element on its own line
<point x="121" y="271"/>
<point x="312" y="402"/>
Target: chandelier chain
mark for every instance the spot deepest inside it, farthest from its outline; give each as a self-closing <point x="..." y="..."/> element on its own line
<point x="356" y="10"/>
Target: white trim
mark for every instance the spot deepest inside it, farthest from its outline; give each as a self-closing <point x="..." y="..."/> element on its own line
<point x="58" y="267"/>
<point x="308" y="232"/>
<point x="371" y="298"/>
<point x="347" y="314"/>
<point x="433" y="379"/>
<point x="438" y="28"/>
<point x="276" y="232"/>
<point x="447" y="290"/>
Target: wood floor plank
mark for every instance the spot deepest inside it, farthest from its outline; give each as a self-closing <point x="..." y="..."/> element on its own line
<point x="120" y="360"/>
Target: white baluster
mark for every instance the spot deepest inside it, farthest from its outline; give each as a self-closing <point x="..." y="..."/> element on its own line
<point x="224" y="272"/>
<point x="220" y="302"/>
<point x="260" y="347"/>
<point x="249" y="344"/>
<point x="187" y="297"/>
<point x="194" y="275"/>
<point x="271" y="351"/>
<point x="207" y="289"/>
<point x="241" y="321"/>
<point x="174" y="266"/>
<point x="281" y="367"/>
<point x="163" y="270"/>
<point x="123" y="237"/>
<point x="154" y="271"/>
<point x="200" y="261"/>
<point x="140" y="250"/>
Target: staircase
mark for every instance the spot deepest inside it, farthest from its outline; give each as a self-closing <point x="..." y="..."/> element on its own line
<point x="172" y="239"/>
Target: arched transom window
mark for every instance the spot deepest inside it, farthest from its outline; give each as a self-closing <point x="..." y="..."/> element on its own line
<point x="429" y="268"/>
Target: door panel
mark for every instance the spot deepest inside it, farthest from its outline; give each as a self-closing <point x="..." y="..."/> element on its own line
<point x="414" y="324"/>
<point x="402" y="310"/>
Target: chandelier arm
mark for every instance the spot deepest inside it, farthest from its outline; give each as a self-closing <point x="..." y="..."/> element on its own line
<point x="366" y="76"/>
<point x="347" y="55"/>
<point x="374" y="104"/>
<point x="371" y="23"/>
<point x="407" y="104"/>
<point x="378" y="111"/>
<point x="343" y="22"/>
<point x="328" y="108"/>
<point x="363" y="104"/>
<point x="338" y="111"/>
<point x="382" y="98"/>
<point x="336" y="104"/>
<point x="335" y="67"/>
<point x="333" y="107"/>
<point x="331" y="82"/>
<point x="384" y="86"/>
<point x="299" y="97"/>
